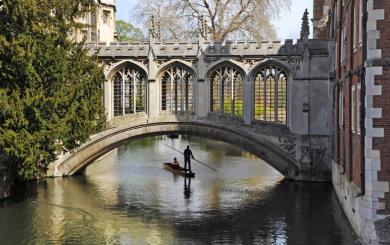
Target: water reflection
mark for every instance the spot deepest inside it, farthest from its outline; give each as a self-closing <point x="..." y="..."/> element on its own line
<point x="128" y="198"/>
<point x="187" y="188"/>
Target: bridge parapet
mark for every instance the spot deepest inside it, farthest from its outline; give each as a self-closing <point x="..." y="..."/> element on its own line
<point x="187" y="49"/>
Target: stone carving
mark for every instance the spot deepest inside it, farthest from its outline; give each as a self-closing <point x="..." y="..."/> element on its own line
<point x="314" y="155"/>
<point x="208" y="62"/>
<point x="194" y="63"/>
<point x="159" y="63"/>
<point x="249" y="63"/>
<point x="295" y="63"/>
<point x="145" y="62"/>
<point x="288" y="145"/>
<point x="107" y="65"/>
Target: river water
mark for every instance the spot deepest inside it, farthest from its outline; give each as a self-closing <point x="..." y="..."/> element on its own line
<point x="126" y="197"/>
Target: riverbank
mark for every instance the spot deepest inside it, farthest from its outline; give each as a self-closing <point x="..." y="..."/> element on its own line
<point x="5" y="187"/>
<point x="5" y="180"/>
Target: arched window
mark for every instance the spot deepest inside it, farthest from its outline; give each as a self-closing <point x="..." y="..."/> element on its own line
<point x="271" y="95"/>
<point x="129" y="91"/>
<point x="226" y="91"/>
<point x="176" y="90"/>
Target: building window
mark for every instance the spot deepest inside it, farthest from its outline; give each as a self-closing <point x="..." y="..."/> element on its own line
<point x="355" y="26"/>
<point x="84" y="34"/>
<point x="106" y="17"/>
<point x="271" y="95"/>
<point x="353" y="108"/>
<point x="85" y="18"/>
<point x="118" y="99"/>
<point x="335" y="18"/>
<point x="358" y="109"/>
<point x="361" y="22"/>
<point x="129" y="91"/>
<point x="344" y="36"/>
<point x="341" y="107"/>
<point x="177" y="90"/>
<point x="93" y="19"/>
<point x="226" y="91"/>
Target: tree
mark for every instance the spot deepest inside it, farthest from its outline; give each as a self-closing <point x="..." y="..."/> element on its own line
<point x="50" y="89"/>
<point x="126" y="32"/>
<point x="248" y="19"/>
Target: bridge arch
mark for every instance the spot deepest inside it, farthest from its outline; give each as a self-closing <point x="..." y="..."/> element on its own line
<point x="112" y="138"/>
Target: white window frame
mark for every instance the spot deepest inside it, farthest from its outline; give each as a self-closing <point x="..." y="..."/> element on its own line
<point x="353" y="108"/>
<point x="361" y="23"/>
<point x="355" y="27"/>
<point x="342" y="48"/>
<point x="341" y="107"/>
<point x="358" y="108"/>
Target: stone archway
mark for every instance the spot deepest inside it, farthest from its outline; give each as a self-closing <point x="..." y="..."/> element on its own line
<point x="110" y="139"/>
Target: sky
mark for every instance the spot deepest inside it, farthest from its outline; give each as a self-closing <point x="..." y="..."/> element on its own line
<point x="288" y="26"/>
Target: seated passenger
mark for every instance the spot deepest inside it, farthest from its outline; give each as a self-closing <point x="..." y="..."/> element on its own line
<point x="175" y="164"/>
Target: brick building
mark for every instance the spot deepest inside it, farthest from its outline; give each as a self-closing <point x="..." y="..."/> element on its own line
<point x="320" y="19"/>
<point x="361" y="161"/>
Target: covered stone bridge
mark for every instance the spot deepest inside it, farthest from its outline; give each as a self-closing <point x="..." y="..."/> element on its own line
<point x="274" y="98"/>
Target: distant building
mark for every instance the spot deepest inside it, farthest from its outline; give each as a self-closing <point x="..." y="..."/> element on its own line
<point x="100" y="21"/>
<point x="361" y="159"/>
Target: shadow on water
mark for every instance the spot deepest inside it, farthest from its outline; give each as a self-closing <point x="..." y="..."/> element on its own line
<point x="127" y="198"/>
<point x="23" y="191"/>
<point x="187" y="188"/>
<point x="288" y="213"/>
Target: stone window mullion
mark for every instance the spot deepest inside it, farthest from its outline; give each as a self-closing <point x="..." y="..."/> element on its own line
<point x="123" y="93"/>
<point x="276" y="82"/>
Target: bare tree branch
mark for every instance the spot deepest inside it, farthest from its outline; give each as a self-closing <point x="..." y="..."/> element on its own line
<point x="249" y="19"/>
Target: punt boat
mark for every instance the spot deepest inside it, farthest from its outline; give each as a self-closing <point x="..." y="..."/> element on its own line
<point x="180" y="171"/>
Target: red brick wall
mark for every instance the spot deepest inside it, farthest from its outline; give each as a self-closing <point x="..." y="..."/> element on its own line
<point x="318" y="9"/>
<point x="348" y="142"/>
<point x="318" y="14"/>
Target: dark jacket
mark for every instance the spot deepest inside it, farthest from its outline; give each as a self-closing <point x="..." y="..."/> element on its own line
<point x="188" y="154"/>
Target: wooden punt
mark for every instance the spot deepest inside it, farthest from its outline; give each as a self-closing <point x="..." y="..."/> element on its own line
<point x="180" y="171"/>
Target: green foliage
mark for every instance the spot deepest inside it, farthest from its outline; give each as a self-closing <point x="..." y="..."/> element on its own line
<point x="50" y="89"/>
<point x="126" y="32"/>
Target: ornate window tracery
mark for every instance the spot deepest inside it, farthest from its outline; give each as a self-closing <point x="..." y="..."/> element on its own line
<point x="177" y="90"/>
<point x="129" y="91"/>
<point x="226" y="91"/>
<point x="271" y="95"/>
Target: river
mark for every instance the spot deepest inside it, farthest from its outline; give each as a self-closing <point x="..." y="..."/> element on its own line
<point x="126" y="197"/>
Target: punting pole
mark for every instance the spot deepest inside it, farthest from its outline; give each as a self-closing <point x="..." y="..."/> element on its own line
<point x="194" y="159"/>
